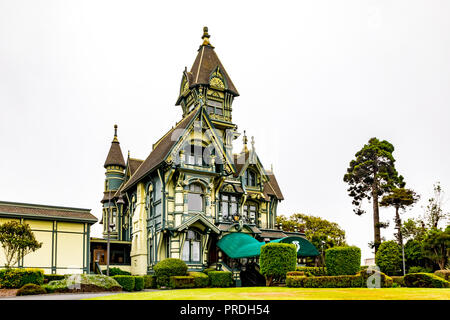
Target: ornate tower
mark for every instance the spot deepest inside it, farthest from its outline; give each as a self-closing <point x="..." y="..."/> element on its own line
<point x="115" y="175"/>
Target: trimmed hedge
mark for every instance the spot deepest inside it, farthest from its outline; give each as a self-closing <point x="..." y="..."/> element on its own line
<point x="315" y="271"/>
<point x="220" y="278"/>
<point x="83" y="283"/>
<point x="181" y="282"/>
<point x="445" y="274"/>
<point x="201" y="280"/>
<point x="17" y="278"/>
<point x="127" y="282"/>
<point x="207" y="270"/>
<point x="52" y="277"/>
<point x="343" y="260"/>
<point x="419" y="269"/>
<point x="296" y="273"/>
<point x="342" y="281"/>
<point x="167" y="268"/>
<point x="30" y="289"/>
<point x="371" y="276"/>
<point x="425" y="280"/>
<point x="138" y="283"/>
<point x="399" y="280"/>
<point x="117" y="272"/>
<point x="150" y="282"/>
<point x="276" y="259"/>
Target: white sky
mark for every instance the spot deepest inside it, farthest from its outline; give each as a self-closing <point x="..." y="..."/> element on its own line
<point x="317" y="79"/>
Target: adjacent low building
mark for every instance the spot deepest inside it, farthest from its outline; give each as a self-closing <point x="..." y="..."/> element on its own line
<point x="64" y="233"/>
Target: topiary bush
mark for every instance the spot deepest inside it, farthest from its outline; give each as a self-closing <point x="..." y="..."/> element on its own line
<point x="373" y="278"/>
<point x="31" y="289"/>
<point x="220" y="278"/>
<point x="399" y="280"/>
<point x="117" y="272"/>
<point x="17" y="278"/>
<point x="343" y="260"/>
<point x="425" y="280"/>
<point x="150" y="282"/>
<point x="201" y="279"/>
<point x="52" y="277"/>
<point x="445" y="274"/>
<point x="315" y="271"/>
<point x="207" y="270"/>
<point x="127" y="282"/>
<point x="181" y="282"/>
<point x="389" y="258"/>
<point x="138" y="283"/>
<point x="167" y="268"/>
<point x="276" y="259"/>
<point x="296" y="273"/>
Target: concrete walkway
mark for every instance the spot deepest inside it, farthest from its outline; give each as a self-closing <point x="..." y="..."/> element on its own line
<point x="67" y="296"/>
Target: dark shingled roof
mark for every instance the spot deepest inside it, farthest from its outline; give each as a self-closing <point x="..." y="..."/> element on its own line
<point x="272" y="233"/>
<point x="12" y="209"/>
<point x="115" y="156"/>
<point x="205" y="63"/>
<point x="271" y="187"/>
<point x="134" y="164"/>
<point x="161" y="150"/>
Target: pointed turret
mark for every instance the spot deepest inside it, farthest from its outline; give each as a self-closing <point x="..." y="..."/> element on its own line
<point x="207" y="83"/>
<point x="115" y="156"/>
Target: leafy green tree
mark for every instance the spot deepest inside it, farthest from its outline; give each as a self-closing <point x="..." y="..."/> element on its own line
<point x="316" y="229"/>
<point x="399" y="198"/>
<point x="17" y="241"/>
<point x="414" y="255"/>
<point x="434" y="212"/>
<point x="436" y="246"/>
<point x="389" y="257"/>
<point x="370" y="175"/>
<point x="413" y="230"/>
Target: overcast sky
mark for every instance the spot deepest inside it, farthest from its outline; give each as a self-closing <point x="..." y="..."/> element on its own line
<point x="316" y="79"/>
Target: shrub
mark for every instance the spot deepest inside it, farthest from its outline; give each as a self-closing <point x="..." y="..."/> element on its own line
<point x="17" y="278"/>
<point x="181" y="282"/>
<point x="315" y="271"/>
<point x="150" y="282"/>
<point x="398" y="280"/>
<point x="425" y="280"/>
<point x="445" y="274"/>
<point x="343" y="260"/>
<point x="341" y="281"/>
<point x="117" y="272"/>
<point x="207" y="270"/>
<point x="419" y="269"/>
<point x="295" y="273"/>
<point x="276" y="259"/>
<point x="220" y="278"/>
<point x="167" y="268"/>
<point x="138" y="283"/>
<point x="373" y="278"/>
<point x="52" y="277"/>
<point x="201" y="280"/>
<point x="30" y="289"/>
<point x="127" y="282"/>
<point x="83" y="283"/>
<point x="389" y="258"/>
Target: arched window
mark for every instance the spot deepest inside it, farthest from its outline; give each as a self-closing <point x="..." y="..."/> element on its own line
<point x="192" y="247"/>
<point x="195" y="197"/>
<point x="250" y="178"/>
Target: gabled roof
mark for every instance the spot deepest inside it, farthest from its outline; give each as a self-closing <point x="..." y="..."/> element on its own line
<point x="134" y="164"/>
<point x="271" y="187"/>
<point x="38" y="211"/>
<point x="161" y="149"/>
<point x="198" y="217"/>
<point x="115" y="156"/>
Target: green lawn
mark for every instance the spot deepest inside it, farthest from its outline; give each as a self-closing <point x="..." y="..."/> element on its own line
<point x="283" y="293"/>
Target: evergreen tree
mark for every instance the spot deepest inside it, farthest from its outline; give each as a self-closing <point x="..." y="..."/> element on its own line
<point x="370" y="175"/>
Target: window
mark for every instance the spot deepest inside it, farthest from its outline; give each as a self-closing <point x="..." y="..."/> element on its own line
<point x="195" y="197"/>
<point x="250" y="213"/>
<point x="191" y="248"/>
<point x="194" y="155"/>
<point x="215" y="107"/>
<point x="228" y="206"/>
<point x="250" y="178"/>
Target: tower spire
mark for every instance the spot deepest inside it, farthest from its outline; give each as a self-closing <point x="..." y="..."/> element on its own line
<point x="115" y="134"/>
<point x="245" y="142"/>
<point x="205" y="37"/>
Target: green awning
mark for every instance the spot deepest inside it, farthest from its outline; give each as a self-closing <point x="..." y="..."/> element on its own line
<point x="304" y="247"/>
<point x="238" y="245"/>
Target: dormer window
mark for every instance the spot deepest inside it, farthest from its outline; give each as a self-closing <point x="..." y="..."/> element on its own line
<point x="250" y="178"/>
<point x="215" y="107"/>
